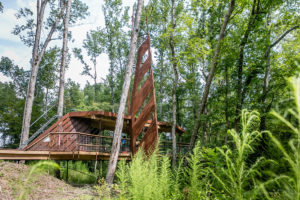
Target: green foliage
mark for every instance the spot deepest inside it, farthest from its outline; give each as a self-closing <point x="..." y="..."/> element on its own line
<point x="104" y="191"/>
<point x="79" y="173"/>
<point x="93" y="44"/>
<point x="213" y="171"/>
<point x="1" y="7"/>
<point x="35" y="170"/>
<point x="237" y="177"/>
<point x="197" y="170"/>
<point x="18" y="75"/>
<point x="11" y="109"/>
<point x="146" y="177"/>
<point x="26" y="31"/>
<point x="291" y="153"/>
<point x="221" y="173"/>
<point x="49" y="68"/>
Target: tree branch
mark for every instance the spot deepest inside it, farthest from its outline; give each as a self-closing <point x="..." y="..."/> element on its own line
<point x="49" y="36"/>
<point x="279" y="39"/>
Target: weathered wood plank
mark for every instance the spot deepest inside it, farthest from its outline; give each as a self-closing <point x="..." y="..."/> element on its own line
<point x="142" y="94"/>
<point x="49" y="155"/>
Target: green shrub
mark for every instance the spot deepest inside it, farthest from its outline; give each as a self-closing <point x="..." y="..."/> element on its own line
<point x="35" y="170"/>
<point x="104" y="191"/>
<point x="291" y="153"/>
<point x="45" y="168"/>
<point x="79" y="173"/>
<point x="146" y="177"/>
<point x="237" y="179"/>
<point x="196" y="175"/>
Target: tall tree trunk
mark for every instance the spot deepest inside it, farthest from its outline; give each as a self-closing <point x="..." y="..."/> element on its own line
<point x="211" y="74"/>
<point x="63" y="62"/>
<point x="119" y="123"/>
<point x="240" y="62"/>
<point x="226" y="103"/>
<point x="111" y="72"/>
<point x="46" y="102"/>
<point x="193" y="93"/>
<point x="174" y="89"/>
<point x="161" y="86"/>
<point x="267" y="75"/>
<point x="36" y="59"/>
<point x="113" y="97"/>
<point x="95" y="78"/>
<point x="34" y="70"/>
<point x="205" y="135"/>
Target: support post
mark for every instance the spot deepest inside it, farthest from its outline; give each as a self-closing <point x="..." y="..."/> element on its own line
<point x="67" y="177"/>
<point x="57" y="172"/>
<point x="100" y="169"/>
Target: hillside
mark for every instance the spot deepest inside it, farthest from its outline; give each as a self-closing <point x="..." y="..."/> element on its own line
<point x="40" y="186"/>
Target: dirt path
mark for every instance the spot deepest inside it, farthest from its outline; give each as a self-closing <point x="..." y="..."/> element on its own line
<point x="42" y="186"/>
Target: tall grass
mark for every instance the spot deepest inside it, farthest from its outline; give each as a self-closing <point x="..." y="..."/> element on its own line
<point x="237" y="178"/>
<point x="210" y="174"/>
<point x="228" y="172"/>
<point x="78" y="173"/>
<point x="35" y="170"/>
<point x="291" y="153"/>
<point x="146" y="178"/>
<point x="198" y="185"/>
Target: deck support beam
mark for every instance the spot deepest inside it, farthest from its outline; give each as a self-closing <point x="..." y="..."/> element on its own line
<point x="57" y="155"/>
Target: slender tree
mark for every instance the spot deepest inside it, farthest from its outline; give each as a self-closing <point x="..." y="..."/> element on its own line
<point x="63" y="60"/>
<point x="49" y="74"/>
<point x="116" y="19"/>
<point x="266" y="79"/>
<point x="119" y="123"/>
<point x="94" y="46"/>
<point x="30" y="34"/>
<point x="252" y="19"/>
<point x="211" y="74"/>
<point x="175" y="83"/>
<point x="37" y="54"/>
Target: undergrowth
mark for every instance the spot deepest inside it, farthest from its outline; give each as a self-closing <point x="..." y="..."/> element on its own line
<point x="35" y="171"/>
<point x="225" y="172"/>
<point x="291" y="153"/>
<point x="146" y="178"/>
<point x="79" y="173"/>
<point x="220" y="173"/>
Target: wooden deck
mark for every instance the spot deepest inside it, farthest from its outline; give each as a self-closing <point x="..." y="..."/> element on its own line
<point x="78" y="146"/>
<point x="77" y="136"/>
<point x="13" y="154"/>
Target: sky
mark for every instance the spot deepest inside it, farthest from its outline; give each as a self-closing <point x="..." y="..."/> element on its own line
<point x="12" y="47"/>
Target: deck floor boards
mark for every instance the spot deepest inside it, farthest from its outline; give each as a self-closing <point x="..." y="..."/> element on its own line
<point x="14" y="154"/>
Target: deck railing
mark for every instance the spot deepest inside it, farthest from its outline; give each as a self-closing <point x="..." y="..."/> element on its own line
<point x="75" y="141"/>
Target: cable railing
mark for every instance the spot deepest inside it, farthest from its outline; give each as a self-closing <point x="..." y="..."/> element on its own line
<point x="77" y="141"/>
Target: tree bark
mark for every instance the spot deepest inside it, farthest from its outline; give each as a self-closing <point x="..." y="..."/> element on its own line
<point x="211" y="74"/>
<point x="119" y="124"/>
<point x="240" y="62"/>
<point x="34" y="70"/>
<point x="36" y="59"/>
<point x="174" y="89"/>
<point x="226" y="104"/>
<point x="267" y="59"/>
<point x="161" y="86"/>
<point x="204" y="136"/>
<point x="280" y="38"/>
<point x="111" y="69"/>
<point x="63" y="62"/>
<point x="46" y="102"/>
<point x="95" y="77"/>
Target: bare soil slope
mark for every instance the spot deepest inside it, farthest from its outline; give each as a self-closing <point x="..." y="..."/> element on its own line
<point x="13" y="177"/>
